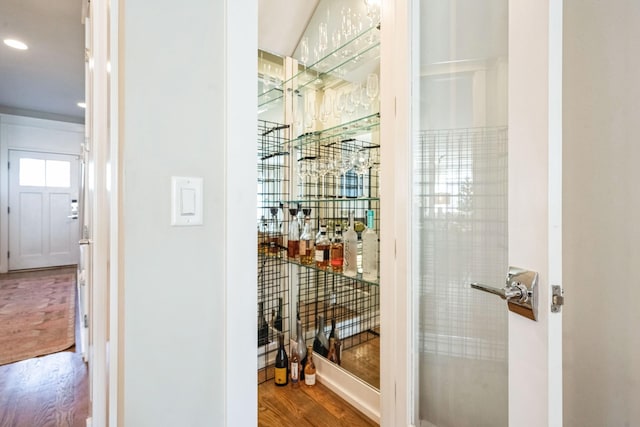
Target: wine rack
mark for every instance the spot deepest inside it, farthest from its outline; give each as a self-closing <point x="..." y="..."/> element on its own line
<point x="325" y="163"/>
<point x="273" y="272"/>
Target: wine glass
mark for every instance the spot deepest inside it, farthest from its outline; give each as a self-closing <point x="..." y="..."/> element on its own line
<point x="361" y="165"/>
<point x="304" y="50"/>
<point x="365" y="101"/>
<point x="372" y="86"/>
<point x="303" y="170"/>
<point x="339" y="105"/>
<point x="323" y="38"/>
<point x="322" y="166"/>
<point x="312" y="172"/>
<point x="344" y="166"/>
<point x="356" y="95"/>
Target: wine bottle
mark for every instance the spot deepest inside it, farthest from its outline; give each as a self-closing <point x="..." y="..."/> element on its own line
<point x="338" y="347"/>
<point x="263" y="327"/>
<point x="323" y="248"/>
<point x="295" y="368"/>
<point x="320" y="342"/>
<point x="350" y="245"/>
<point x="332" y="356"/>
<point x="293" y="242"/>
<point x="337" y="251"/>
<point x="332" y="334"/>
<point x="370" y="250"/>
<point x="306" y="244"/>
<point x="282" y="363"/>
<point x="310" y="368"/>
<point x="277" y="323"/>
<point x="301" y="347"/>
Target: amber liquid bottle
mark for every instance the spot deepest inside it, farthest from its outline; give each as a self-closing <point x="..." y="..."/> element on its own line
<point x="310" y="368"/>
<point x="333" y="356"/>
<point x="323" y="249"/>
<point x="337" y="251"/>
<point x="306" y="244"/>
<point x="295" y="369"/>
<point x="282" y="364"/>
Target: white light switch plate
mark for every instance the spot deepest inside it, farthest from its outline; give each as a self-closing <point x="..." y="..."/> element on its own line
<point x="186" y="200"/>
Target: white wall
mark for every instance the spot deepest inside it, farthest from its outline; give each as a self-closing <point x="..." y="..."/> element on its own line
<point x="30" y="134"/>
<point x="601" y="213"/>
<point x="188" y="293"/>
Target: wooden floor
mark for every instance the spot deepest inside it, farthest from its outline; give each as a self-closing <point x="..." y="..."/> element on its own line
<point x="315" y="406"/>
<point x="47" y="391"/>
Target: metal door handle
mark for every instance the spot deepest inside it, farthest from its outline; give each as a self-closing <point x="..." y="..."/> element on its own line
<point x="72" y="216"/>
<point x="520" y="292"/>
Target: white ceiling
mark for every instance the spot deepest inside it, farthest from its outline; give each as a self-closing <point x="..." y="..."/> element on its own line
<point x="47" y="80"/>
<point x="281" y="24"/>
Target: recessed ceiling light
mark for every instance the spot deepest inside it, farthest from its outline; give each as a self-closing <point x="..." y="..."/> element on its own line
<point x="16" y="44"/>
<point x="82" y="105"/>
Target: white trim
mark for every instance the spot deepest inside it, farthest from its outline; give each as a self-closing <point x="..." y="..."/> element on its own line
<point x="358" y="393"/>
<point x="240" y="109"/>
<point x="99" y="234"/>
<point x="555" y="208"/>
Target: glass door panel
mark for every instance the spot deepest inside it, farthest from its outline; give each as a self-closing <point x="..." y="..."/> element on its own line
<point x="459" y="219"/>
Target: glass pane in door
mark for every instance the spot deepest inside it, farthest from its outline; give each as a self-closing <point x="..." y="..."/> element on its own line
<point x="459" y="218"/>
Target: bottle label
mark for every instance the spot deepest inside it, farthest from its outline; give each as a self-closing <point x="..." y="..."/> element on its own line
<point x="294" y="372"/>
<point x="310" y="379"/>
<point x="281" y="376"/>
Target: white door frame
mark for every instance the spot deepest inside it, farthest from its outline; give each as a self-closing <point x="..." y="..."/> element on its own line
<point x="535" y="123"/>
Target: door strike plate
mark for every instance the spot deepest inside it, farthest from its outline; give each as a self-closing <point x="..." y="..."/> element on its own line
<point x="557" y="298"/>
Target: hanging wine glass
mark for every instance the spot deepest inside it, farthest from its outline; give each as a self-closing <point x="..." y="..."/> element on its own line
<point x="323" y="38"/>
<point x="347" y="30"/>
<point x="303" y="169"/>
<point x="312" y="172"/>
<point x="344" y="166"/>
<point x="322" y="166"/>
<point x="361" y="165"/>
<point x="339" y="105"/>
<point x="365" y="101"/>
<point x="355" y="95"/>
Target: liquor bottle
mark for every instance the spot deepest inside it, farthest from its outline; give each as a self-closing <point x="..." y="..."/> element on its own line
<point x="301" y="347"/>
<point x="337" y="251"/>
<point x="332" y="334"/>
<point x="310" y="369"/>
<point x="306" y="244"/>
<point x="295" y="368"/>
<point x="320" y="342"/>
<point x="323" y="248"/>
<point x="263" y="327"/>
<point x="277" y="323"/>
<point x="293" y="243"/>
<point x="370" y="250"/>
<point x="282" y="363"/>
<point x="332" y="356"/>
<point x="350" y="246"/>
<point x="275" y="234"/>
<point x="263" y="236"/>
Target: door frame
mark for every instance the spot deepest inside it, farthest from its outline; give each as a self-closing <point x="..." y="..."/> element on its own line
<point x="535" y="121"/>
<point x="30" y="134"/>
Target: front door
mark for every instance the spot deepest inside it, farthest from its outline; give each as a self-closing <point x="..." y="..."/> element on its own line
<point x="484" y="190"/>
<point x="43" y="209"/>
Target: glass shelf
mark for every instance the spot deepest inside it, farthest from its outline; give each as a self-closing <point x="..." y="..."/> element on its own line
<point x="332" y="67"/>
<point x="345" y="130"/>
<point x="311" y="201"/>
<point x="357" y="278"/>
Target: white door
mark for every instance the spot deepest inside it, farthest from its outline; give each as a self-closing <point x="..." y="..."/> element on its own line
<point x="482" y="110"/>
<point x="43" y="209"/>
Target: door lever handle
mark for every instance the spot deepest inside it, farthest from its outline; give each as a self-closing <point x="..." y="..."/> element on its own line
<point x="520" y="291"/>
<point x="72" y="216"/>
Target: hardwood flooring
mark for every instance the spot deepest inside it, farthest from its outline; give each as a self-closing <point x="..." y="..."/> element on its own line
<point x="47" y="391"/>
<point x="315" y="406"/>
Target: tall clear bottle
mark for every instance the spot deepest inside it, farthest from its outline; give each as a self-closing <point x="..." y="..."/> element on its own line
<point x="320" y="342"/>
<point x="350" y="245"/>
<point x="370" y="250"/>
<point x="301" y="347"/>
<point x="306" y="244"/>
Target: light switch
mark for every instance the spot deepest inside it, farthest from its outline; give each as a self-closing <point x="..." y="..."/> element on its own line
<point x="186" y="200"/>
